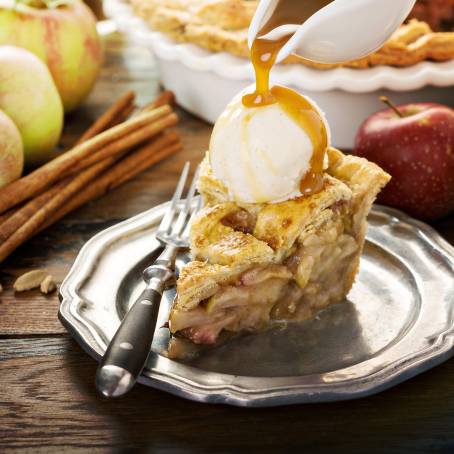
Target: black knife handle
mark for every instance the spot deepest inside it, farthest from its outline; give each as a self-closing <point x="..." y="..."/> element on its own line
<point x="127" y="352"/>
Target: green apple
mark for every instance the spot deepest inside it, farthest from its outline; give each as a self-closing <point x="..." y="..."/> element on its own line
<point x="63" y="34"/>
<point x="28" y="95"/>
<point x="11" y="151"/>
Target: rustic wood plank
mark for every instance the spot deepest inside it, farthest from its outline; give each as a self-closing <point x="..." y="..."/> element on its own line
<point x="51" y="403"/>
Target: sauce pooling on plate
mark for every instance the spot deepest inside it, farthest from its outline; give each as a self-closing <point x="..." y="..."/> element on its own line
<point x="263" y="56"/>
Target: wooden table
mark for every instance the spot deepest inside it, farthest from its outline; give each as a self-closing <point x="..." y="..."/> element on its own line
<point x="47" y="399"/>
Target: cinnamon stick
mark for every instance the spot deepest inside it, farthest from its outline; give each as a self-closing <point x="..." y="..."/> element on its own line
<point x="137" y="137"/>
<point x="121" y="110"/>
<point x="146" y="156"/>
<point x="7" y="214"/>
<point x="41" y="213"/>
<point x="26" y="187"/>
<point x="106" y="120"/>
<point x="24" y="213"/>
<point x="20" y="215"/>
<point x="123" y="115"/>
<point x="165" y="97"/>
<point x="89" y="187"/>
<point x="133" y="164"/>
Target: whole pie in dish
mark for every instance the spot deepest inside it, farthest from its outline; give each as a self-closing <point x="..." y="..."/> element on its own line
<point x="221" y="26"/>
<point x="254" y="263"/>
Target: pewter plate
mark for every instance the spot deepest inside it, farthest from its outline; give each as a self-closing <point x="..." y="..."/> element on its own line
<point x="397" y="321"/>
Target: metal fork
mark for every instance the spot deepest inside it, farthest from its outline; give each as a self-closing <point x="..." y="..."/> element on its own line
<point x="128" y="350"/>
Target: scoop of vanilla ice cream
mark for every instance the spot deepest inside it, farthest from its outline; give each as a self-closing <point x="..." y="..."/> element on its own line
<point x="260" y="154"/>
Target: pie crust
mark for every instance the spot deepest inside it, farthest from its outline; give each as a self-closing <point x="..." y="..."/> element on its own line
<point x="254" y="263"/>
<point x="221" y="26"/>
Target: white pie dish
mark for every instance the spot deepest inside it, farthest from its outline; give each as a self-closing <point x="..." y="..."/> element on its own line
<point x="204" y="82"/>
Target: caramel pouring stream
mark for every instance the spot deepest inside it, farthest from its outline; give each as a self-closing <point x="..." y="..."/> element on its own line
<point x="263" y="57"/>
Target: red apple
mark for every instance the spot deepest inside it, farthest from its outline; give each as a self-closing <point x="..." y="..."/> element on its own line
<point x="414" y="143"/>
<point x="63" y="35"/>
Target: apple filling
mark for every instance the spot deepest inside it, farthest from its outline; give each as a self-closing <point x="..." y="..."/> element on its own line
<point x="243" y="306"/>
<point x="313" y="276"/>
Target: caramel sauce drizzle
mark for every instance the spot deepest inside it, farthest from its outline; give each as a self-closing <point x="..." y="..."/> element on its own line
<point x="263" y="57"/>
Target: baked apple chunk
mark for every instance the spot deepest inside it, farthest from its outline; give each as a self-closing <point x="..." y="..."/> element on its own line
<point x="255" y="263"/>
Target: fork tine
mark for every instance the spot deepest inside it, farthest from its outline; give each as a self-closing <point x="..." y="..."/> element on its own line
<point x="181" y="221"/>
<point x="185" y="234"/>
<point x="192" y="189"/>
<point x="170" y="213"/>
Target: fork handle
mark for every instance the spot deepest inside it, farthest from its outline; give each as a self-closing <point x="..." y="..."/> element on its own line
<point x="128" y="350"/>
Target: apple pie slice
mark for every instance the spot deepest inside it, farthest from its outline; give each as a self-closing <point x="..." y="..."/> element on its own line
<point x="254" y="263"/>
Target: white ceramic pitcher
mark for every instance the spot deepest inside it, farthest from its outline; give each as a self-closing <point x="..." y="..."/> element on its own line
<point x="341" y="31"/>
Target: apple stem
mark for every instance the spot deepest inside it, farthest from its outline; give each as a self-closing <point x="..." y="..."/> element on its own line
<point x="390" y="104"/>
